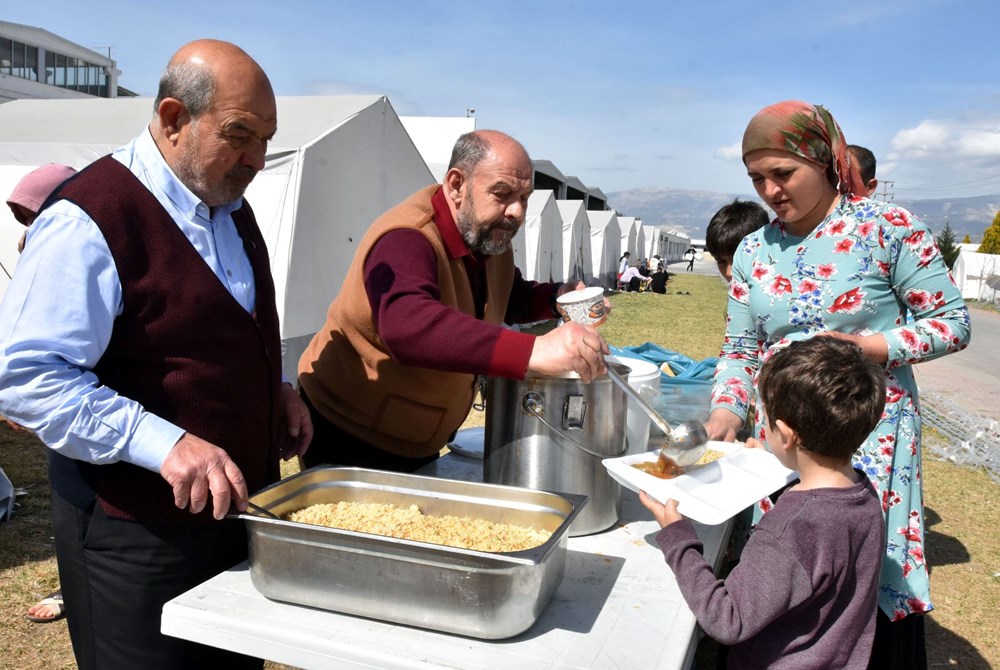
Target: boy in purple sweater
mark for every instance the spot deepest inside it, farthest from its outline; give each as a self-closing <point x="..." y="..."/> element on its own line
<point x="804" y="593"/>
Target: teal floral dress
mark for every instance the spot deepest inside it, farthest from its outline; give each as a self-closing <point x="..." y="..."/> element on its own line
<point x="868" y="268"/>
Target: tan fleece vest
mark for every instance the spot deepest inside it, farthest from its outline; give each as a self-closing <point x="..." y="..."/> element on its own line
<point x="348" y="373"/>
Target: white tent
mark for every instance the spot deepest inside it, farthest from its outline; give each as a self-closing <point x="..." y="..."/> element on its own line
<point x="652" y="238"/>
<point x="640" y="239"/>
<point x="538" y="245"/>
<point x="335" y="164"/>
<point x="626" y="227"/>
<point x="577" y="259"/>
<point x="605" y="247"/>
<point x="978" y="275"/>
<point x="435" y="137"/>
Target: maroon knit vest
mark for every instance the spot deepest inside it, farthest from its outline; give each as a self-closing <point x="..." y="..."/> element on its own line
<point x="183" y="347"/>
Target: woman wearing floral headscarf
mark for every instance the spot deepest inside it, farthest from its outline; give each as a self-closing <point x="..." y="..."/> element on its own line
<point x="838" y="264"/>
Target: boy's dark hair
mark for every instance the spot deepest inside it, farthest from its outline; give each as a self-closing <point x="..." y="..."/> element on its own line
<point x="827" y="391"/>
<point x="731" y="224"/>
<point x="866" y="161"/>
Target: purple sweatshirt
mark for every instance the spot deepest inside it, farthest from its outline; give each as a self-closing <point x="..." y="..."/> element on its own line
<point x="805" y="592"/>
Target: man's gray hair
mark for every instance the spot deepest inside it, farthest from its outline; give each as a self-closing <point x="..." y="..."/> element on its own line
<point x="469" y="151"/>
<point x="193" y="85"/>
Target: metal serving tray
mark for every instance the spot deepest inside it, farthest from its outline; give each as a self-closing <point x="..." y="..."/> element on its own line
<point x="475" y="593"/>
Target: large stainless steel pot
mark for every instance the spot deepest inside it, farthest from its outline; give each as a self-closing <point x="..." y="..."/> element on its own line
<point x="551" y="433"/>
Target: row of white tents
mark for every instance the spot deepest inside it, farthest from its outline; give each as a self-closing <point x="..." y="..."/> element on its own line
<point x="335" y="164"/>
<point x="562" y="241"/>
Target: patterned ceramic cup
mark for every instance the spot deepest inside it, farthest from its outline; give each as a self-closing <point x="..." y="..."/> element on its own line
<point x="585" y="306"/>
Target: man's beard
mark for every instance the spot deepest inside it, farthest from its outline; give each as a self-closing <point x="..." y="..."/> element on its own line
<point x="479" y="237"/>
<point x="191" y="173"/>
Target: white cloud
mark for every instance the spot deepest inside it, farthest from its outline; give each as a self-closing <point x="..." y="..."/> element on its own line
<point x="948" y="140"/>
<point x="945" y="158"/>
<point x="730" y="153"/>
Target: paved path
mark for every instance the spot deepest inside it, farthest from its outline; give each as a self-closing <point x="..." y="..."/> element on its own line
<point x="970" y="378"/>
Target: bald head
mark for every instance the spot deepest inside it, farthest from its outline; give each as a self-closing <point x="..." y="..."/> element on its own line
<point x="194" y="71"/>
<point x="213" y="117"/>
<point x="487" y="186"/>
<point x="472" y="148"/>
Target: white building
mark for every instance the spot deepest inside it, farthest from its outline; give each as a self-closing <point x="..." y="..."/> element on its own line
<point x="35" y="63"/>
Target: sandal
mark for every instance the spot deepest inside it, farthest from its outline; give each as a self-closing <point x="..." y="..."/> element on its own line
<point x="51" y="603"/>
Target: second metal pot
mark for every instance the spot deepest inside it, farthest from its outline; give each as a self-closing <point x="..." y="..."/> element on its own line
<point x="551" y="433"/>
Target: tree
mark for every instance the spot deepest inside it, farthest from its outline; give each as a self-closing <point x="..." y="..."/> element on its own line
<point x="991" y="238"/>
<point x="966" y="239"/>
<point x="946" y="243"/>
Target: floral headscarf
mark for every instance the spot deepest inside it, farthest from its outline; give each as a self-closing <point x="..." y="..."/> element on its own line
<point x="808" y="131"/>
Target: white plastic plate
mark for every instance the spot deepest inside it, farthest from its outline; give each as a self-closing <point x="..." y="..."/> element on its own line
<point x="711" y="493"/>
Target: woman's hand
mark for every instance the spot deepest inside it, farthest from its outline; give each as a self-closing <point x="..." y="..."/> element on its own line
<point x="664" y="514"/>
<point x="722" y="425"/>
<point x="874" y="346"/>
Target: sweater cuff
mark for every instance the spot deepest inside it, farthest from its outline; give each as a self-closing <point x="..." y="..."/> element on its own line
<point x="677" y="534"/>
<point x="511" y="354"/>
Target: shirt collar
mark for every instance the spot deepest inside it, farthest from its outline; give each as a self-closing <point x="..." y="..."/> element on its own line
<point x="173" y="188"/>
<point x="453" y="242"/>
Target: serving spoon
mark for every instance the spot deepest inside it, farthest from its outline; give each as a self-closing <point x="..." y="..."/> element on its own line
<point x="262" y="511"/>
<point x="682" y="445"/>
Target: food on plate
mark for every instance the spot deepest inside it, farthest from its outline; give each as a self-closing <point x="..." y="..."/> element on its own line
<point x="661" y="468"/>
<point x="710" y="456"/>
<point x="409" y="523"/>
<point x="665" y="468"/>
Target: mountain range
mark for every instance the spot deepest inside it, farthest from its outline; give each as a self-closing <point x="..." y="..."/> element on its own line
<point x="688" y="212"/>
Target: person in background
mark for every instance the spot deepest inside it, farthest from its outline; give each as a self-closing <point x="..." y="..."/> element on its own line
<point x="728" y="227"/>
<point x="29" y="194"/>
<point x="390" y="377"/>
<point x="633" y="279"/>
<point x="836" y="264"/>
<point x="658" y="280"/>
<point x="865" y="160"/>
<point x="805" y="591"/>
<point x="690" y="256"/>
<point x="139" y="340"/>
<point x="624" y="263"/>
<point x="25" y="201"/>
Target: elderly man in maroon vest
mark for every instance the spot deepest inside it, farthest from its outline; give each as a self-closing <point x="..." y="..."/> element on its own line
<point x="140" y="341"/>
<point x="390" y="376"/>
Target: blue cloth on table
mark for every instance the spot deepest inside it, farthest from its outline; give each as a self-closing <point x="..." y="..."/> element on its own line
<point x="687" y="394"/>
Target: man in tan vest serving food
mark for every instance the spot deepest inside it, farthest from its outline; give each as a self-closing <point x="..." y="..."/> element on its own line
<point x="391" y="375"/>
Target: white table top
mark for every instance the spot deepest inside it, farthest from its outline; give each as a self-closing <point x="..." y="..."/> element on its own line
<point x="618" y="606"/>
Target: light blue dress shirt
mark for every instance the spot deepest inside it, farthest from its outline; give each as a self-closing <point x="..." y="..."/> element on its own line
<point x="57" y="316"/>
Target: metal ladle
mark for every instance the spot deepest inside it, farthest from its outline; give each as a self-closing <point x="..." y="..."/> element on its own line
<point x="685" y="444"/>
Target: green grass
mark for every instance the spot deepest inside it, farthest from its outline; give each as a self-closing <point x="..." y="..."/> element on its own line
<point x="689" y="319"/>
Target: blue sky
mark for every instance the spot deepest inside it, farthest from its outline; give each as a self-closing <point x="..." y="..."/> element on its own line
<point x="620" y="94"/>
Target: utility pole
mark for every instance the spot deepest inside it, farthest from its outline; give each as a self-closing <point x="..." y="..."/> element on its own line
<point x="887" y="194"/>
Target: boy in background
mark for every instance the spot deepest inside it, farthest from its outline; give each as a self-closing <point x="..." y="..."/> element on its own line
<point x="865" y="161"/>
<point x="805" y="592"/>
<point x="727" y="227"/>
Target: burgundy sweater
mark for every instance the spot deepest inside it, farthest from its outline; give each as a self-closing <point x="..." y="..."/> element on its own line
<point x="805" y="592"/>
<point x="183" y="347"/>
<point x="426" y="333"/>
